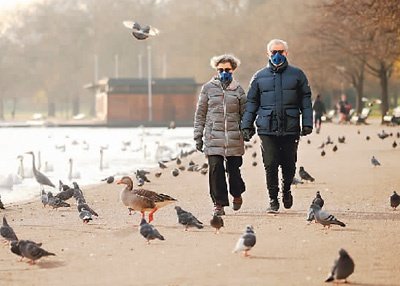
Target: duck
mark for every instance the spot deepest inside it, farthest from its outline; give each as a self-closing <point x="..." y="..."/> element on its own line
<point x="141" y="199"/>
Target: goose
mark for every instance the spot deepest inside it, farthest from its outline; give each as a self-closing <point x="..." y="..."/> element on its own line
<point x="142" y="200"/>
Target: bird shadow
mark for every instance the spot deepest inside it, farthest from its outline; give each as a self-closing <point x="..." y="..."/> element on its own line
<point x="367" y="284"/>
<point x="50" y="264"/>
<point x="267" y="257"/>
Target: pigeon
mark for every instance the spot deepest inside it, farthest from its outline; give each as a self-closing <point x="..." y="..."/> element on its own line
<point x="217" y="222"/>
<point x="158" y="174"/>
<point x="82" y="205"/>
<point x="324" y="217"/>
<point x="162" y="165"/>
<point x="375" y="162"/>
<point x="32" y="251"/>
<point x="254" y="154"/>
<point x="323" y="153"/>
<point x="182" y="168"/>
<point x="109" y="179"/>
<point x="394" y="200"/>
<point x="84" y="214"/>
<point x="335" y="148"/>
<point x="191" y="163"/>
<point x="296" y="181"/>
<point x="66" y="193"/>
<point x="1" y="204"/>
<point x="175" y="172"/>
<point x="187" y="219"/>
<point x="141" y="32"/>
<point x="394" y="145"/>
<point x="204" y="166"/>
<point x="367" y="138"/>
<point x="140" y="182"/>
<point x="383" y="135"/>
<point x="308" y="141"/>
<point x="254" y="164"/>
<point x="203" y="171"/>
<point x="304" y="175"/>
<point x="141" y="175"/>
<point x="342" y="268"/>
<point x="178" y="161"/>
<point x="246" y="241"/>
<point x="56" y="203"/>
<point x="14" y="247"/>
<point x="321" y="146"/>
<point x="7" y="232"/>
<point x="318" y="200"/>
<point x="341" y="139"/>
<point x="328" y="140"/>
<point x="44" y="198"/>
<point x="78" y="192"/>
<point x="149" y="232"/>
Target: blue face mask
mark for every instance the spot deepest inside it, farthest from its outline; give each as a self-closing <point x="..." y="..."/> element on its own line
<point x="278" y="59"/>
<point x="225" y="77"/>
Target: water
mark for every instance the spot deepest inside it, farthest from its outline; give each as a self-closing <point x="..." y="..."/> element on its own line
<point x="124" y="151"/>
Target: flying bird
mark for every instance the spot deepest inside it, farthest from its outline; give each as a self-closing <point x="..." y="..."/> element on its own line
<point x="141" y="32"/>
<point x="141" y="199"/>
<point x="325" y="218"/>
<point x="342" y="268"/>
<point x="187" y="219"/>
<point x="246" y="241"/>
<point x="217" y="222"/>
<point x="149" y="232"/>
<point x="304" y="175"/>
<point x="394" y="200"/>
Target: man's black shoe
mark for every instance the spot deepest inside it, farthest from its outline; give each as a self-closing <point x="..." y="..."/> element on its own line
<point x="273" y="206"/>
<point x="287" y="200"/>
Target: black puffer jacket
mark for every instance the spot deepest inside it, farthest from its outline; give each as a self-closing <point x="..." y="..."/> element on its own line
<point x="275" y="100"/>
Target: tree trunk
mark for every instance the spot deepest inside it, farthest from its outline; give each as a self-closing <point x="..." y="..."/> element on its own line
<point x="75" y="105"/>
<point x="359" y="86"/>
<point x="51" y="108"/>
<point x="384" y="82"/>
<point x="1" y="108"/>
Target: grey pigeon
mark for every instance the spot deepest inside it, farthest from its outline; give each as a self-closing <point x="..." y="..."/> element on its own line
<point x="246" y="241"/>
<point x="141" y="32"/>
<point x="341" y="139"/>
<point x="318" y="200"/>
<point x="375" y="162"/>
<point x="217" y="222"/>
<point x="394" y="200"/>
<point x="335" y="148"/>
<point x="158" y="174"/>
<point x="66" y="192"/>
<point x="56" y="203"/>
<point x="1" y="204"/>
<point x="187" y="219"/>
<point x="14" y="247"/>
<point x="109" y="179"/>
<point x="78" y="192"/>
<point x="85" y="215"/>
<point x="394" y="145"/>
<point x="44" y="198"/>
<point x="304" y="175"/>
<point x="178" y="161"/>
<point x="342" y="268"/>
<point x="32" y="251"/>
<point x="162" y="165"/>
<point x="296" y="181"/>
<point x="7" y="232"/>
<point x="149" y="232"/>
<point x="325" y="218"/>
<point x="323" y="153"/>
<point x="175" y="172"/>
<point x="83" y="205"/>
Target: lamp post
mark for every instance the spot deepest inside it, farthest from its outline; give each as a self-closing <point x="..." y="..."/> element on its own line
<point x="150" y="95"/>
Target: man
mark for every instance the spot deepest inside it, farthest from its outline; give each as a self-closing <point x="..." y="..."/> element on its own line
<point x="319" y="109"/>
<point x="278" y="94"/>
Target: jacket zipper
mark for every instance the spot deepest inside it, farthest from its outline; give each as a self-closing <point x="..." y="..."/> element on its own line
<point x="225" y="122"/>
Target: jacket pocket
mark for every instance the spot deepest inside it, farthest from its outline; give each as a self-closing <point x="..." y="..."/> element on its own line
<point x="263" y="121"/>
<point x="292" y="120"/>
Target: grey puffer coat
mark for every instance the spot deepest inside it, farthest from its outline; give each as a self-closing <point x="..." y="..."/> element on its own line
<point x="218" y="116"/>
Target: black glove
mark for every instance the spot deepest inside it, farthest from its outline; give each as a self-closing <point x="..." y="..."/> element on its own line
<point x="306" y="130"/>
<point x="247" y="134"/>
<point x="199" y="145"/>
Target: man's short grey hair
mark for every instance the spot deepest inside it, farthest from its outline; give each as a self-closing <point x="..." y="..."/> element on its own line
<point x="226" y="58"/>
<point x="277" y="42"/>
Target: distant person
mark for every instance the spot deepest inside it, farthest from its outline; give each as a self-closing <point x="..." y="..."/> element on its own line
<point x="343" y="108"/>
<point x="319" y="110"/>
<point x="278" y="94"/>
<point x="217" y="132"/>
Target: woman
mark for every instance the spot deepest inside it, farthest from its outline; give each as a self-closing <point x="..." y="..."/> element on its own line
<point x="218" y="114"/>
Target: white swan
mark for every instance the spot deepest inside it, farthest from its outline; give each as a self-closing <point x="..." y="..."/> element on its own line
<point x="8" y="181"/>
<point x="22" y="171"/>
<point x="102" y="164"/>
<point x="73" y="174"/>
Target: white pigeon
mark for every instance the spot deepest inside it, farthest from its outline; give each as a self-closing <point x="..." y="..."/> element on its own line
<point x="246" y="241"/>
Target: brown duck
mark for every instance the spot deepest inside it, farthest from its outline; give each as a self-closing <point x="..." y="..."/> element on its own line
<point x="142" y="200"/>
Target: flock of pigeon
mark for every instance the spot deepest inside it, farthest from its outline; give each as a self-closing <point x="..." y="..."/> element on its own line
<point x="144" y="200"/>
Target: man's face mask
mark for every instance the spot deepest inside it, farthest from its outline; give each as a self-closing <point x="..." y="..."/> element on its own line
<point x="277" y="58"/>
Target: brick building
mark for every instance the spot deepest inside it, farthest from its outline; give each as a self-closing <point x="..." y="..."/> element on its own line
<point x="125" y="101"/>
